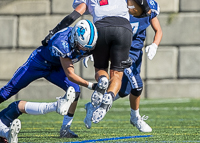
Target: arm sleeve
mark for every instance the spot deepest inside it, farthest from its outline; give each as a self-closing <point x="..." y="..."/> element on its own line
<point x="68" y="20"/>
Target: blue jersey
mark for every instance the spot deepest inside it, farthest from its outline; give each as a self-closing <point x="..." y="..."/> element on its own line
<point x="131" y="78"/>
<point x="139" y="25"/>
<point x="59" y="46"/>
<point x="44" y="62"/>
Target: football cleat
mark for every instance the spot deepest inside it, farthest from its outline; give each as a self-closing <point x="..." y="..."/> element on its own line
<point x="89" y="113"/>
<point x="99" y="91"/>
<point x="65" y="132"/>
<point x="140" y="124"/>
<point x="14" y="129"/>
<point x="4" y="130"/>
<point x="104" y="107"/>
<point x="65" y="102"/>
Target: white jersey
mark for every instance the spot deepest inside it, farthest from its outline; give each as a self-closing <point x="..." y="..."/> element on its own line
<point x="100" y="9"/>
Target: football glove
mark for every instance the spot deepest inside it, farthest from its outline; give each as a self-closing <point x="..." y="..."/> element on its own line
<point x="85" y="60"/>
<point x="47" y="38"/>
<point x="151" y="50"/>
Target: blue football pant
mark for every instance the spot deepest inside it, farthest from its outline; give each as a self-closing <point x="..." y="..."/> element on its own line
<point x="133" y="80"/>
<point x="34" y="68"/>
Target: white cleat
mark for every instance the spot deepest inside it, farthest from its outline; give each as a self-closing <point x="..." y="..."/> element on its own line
<point x="4" y="130"/>
<point x="99" y="91"/>
<point x="140" y="124"/>
<point x="65" y="102"/>
<point x="15" y="127"/>
<point x="89" y="113"/>
<point x="104" y="107"/>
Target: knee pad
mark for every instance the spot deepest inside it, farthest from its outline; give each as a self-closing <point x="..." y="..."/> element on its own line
<point x="127" y="63"/>
<point x="77" y="96"/>
<point x="137" y="91"/>
<point x="122" y="95"/>
<point x="14" y="104"/>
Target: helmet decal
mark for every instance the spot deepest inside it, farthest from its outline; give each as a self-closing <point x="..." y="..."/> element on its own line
<point x="84" y="33"/>
<point x="81" y="32"/>
<point x="92" y="32"/>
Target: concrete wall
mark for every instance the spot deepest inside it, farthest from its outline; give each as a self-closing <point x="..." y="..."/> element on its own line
<point x="173" y="73"/>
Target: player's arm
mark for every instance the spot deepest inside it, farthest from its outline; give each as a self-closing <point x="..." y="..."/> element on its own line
<point x="68" y="68"/>
<point x="152" y="48"/>
<point x="68" y="20"/>
<point x="155" y="24"/>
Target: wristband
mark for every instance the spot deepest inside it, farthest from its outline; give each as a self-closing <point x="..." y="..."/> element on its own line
<point x="94" y="86"/>
<point x="131" y="7"/>
<point x="90" y="85"/>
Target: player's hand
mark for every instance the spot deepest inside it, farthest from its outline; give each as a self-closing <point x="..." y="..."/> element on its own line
<point x="151" y="50"/>
<point x="85" y="60"/>
<point x="47" y="38"/>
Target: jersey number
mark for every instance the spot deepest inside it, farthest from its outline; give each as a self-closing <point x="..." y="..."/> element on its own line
<point x="103" y="2"/>
<point x="135" y="27"/>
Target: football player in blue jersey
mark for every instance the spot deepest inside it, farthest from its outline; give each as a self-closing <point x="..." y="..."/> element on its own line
<point x="53" y="62"/>
<point x="131" y="82"/>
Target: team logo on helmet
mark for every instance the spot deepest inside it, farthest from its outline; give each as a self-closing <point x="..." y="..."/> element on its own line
<point x="84" y="34"/>
<point x="81" y="32"/>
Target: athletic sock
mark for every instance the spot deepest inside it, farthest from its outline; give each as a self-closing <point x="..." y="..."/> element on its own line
<point x="67" y="119"/>
<point x="135" y="113"/>
<point x="36" y="108"/>
<point x="117" y="97"/>
<point x="12" y="112"/>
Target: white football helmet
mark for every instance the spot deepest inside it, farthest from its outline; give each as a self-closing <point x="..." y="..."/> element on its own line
<point x="84" y="34"/>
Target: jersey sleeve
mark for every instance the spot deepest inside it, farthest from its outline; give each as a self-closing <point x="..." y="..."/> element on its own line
<point x="155" y="8"/>
<point x="59" y="45"/>
<point x="77" y="2"/>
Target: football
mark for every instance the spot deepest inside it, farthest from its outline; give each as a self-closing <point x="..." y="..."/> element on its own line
<point x="134" y="8"/>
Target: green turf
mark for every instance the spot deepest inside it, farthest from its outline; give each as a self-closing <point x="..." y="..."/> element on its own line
<point x="171" y="121"/>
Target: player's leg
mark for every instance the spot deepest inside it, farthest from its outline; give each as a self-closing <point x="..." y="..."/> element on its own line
<point x="9" y="124"/>
<point x="9" y="134"/>
<point x="136" y="120"/>
<point x="61" y="106"/>
<point x="28" y="72"/>
<point x="102" y="85"/>
<point x="67" y="121"/>
<point x="101" y="56"/>
<point x="119" y="52"/>
<point x="59" y="78"/>
<point x="132" y="75"/>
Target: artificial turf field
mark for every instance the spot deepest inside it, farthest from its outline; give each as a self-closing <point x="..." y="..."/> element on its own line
<point x="172" y="120"/>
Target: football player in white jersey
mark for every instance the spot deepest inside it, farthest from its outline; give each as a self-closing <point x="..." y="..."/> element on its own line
<point x="131" y="82"/>
<point x="111" y="18"/>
